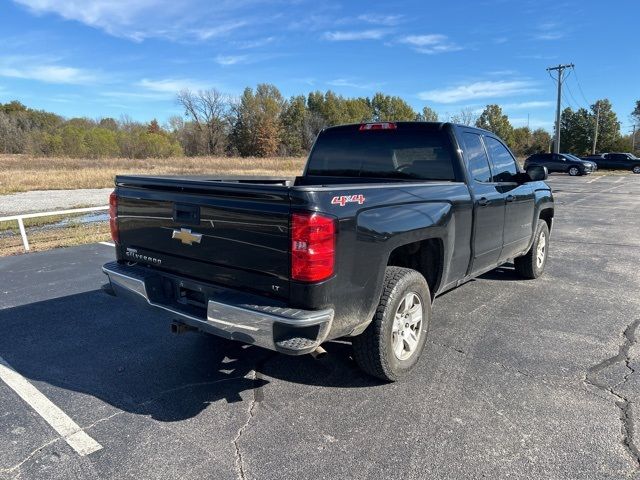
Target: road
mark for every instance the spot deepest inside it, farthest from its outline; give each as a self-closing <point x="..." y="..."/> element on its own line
<point x="520" y="379"/>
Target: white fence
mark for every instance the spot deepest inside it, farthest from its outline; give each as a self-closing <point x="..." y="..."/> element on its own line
<point x="20" y="219"/>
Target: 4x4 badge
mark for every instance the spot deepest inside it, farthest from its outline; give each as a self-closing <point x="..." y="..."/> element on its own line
<point x="186" y="236"/>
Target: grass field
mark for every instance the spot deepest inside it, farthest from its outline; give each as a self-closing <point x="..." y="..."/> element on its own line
<point x="21" y="173"/>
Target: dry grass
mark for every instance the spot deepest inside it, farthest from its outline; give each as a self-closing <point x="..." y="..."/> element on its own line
<point x="21" y="173"/>
<point x="56" y="237"/>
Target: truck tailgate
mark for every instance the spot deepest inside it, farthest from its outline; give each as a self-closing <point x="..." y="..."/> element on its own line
<point x="229" y="233"/>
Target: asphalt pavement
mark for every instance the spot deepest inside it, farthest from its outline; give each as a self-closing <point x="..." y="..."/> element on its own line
<point x="520" y="379"/>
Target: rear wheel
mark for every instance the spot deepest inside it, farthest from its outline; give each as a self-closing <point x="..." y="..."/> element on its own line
<point x="573" y="171"/>
<point x="532" y="263"/>
<point x="392" y="343"/>
<point x="636" y="169"/>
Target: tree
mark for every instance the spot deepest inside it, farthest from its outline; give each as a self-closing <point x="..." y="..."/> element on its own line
<point x="100" y="143"/>
<point x="387" y="108"/>
<point x="608" y="125"/>
<point x="209" y="111"/>
<point x="153" y="127"/>
<point x="257" y="123"/>
<point x="636" y="113"/>
<point x="427" y="115"/>
<point x="466" y="116"/>
<point x="540" y="141"/>
<point x="520" y="141"/>
<point x="495" y="121"/>
<point x="293" y="126"/>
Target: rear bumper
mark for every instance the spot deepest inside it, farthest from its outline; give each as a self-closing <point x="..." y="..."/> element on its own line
<point x="228" y="313"/>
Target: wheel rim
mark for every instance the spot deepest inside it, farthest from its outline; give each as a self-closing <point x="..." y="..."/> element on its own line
<point x="573" y="171"/>
<point x="407" y="326"/>
<point x="541" y="251"/>
<point x="636" y="169"/>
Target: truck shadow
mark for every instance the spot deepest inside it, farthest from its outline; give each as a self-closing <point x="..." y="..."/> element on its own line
<point x="94" y="344"/>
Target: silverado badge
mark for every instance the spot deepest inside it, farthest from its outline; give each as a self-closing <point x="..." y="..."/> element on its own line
<point x="186" y="237"/>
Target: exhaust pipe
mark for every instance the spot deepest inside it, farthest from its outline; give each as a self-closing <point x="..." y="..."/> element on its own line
<point x="178" y="328"/>
<point x="318" y="353"/>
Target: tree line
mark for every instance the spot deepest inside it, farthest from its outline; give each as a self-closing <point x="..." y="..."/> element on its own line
<point x="262" y="122"/>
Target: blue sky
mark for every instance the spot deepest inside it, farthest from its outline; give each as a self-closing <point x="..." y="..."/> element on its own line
<point x="100" y="58"/>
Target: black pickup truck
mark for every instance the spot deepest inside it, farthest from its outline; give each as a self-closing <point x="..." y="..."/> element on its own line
<point x="385" y="217"/>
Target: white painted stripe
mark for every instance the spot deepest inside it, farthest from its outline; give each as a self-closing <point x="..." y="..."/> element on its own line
<point x="69" y="430"/>
<point x="108" y="244"/>
<point x="595" y="179"/>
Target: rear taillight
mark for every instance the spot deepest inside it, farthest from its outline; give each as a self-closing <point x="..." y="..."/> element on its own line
<point x="378" y="126"/>
<point x="312" y="246"/>
<point x="113" y="217"/>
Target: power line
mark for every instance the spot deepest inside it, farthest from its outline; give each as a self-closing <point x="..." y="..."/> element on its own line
<point x="575" y="74"/>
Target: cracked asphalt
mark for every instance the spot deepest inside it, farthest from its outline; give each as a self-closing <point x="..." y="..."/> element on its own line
<point x="520" y="379"/>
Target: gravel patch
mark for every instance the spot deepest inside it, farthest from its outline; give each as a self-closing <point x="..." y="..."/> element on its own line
<point x="50" y="200"/>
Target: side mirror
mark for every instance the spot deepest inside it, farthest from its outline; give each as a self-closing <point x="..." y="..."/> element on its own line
<point x="537" y="173"/>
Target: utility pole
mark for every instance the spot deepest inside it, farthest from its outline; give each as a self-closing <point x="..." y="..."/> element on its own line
<point x="633" y="139"/>
<point x="595" y="136"/>
<point x="560" y="68"/>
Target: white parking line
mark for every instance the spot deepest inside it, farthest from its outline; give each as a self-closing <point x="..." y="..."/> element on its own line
<point x="595" y="179"/>
<point x="69" y="430"/>
<point x="108" y="244"/>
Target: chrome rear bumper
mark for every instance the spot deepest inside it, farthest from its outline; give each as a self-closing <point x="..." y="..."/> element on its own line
<point x="228" y="313"/>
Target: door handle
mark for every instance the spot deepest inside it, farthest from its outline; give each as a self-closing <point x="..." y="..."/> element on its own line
<point x="510" y="198"/>
<point x="483" y="202"/>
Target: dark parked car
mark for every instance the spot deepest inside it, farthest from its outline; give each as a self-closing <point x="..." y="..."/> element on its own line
<point x="616" y="161"/>
<point x="560" y="162"/>
<point x="386" y="217"/>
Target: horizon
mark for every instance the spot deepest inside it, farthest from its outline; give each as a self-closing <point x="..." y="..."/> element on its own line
<point x="149" y="51"/>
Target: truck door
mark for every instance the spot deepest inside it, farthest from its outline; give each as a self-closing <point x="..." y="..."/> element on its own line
<point x="519" y="199"/>
<point x="488" y="205"/>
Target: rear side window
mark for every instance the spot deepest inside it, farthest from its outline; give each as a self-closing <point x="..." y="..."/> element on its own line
<point x="504" y="165"/>
<point x="477" y="158"/>
<point x="403" y="153"/>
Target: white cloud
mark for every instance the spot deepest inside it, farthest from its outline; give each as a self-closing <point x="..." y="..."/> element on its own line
<point x="525" y="105"/>
<point x="477" y="90"/>
<point x="226" y="60"/>
<point x="44" y="70"/>
<point x="430" y="44"/>
<point x="220" y="30"/>
<point x="388" y="20"/>
<point x="342" y="36"/>
<point x="170" y="85"/>
<point x="345" y="82"/>
<point x="549" y="31"/>
<point x="142" y="19"/>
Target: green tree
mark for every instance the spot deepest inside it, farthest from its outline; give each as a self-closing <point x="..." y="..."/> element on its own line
<point x="540" y="141"/>
<point x="387" y="108"/>
<point x="257" y="127"/>
<point x="101" y="143"/>
<point x="427" y="115"/>
<point x="293" y="126"/>
<point x="636" y="113"/>
<point x="520" y="141"/>
<point x="608" y="125"/>
<point x="73" y="141"/>
<point x="495" y="121"/>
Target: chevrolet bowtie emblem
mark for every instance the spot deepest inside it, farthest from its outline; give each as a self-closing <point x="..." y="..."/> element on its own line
<point x="186" y="237"/>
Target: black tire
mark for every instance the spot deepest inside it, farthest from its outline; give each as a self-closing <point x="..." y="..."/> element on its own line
<point x="373" y="348"/>
<point x="636" y="169"/>
<point x="574" y="171"/>
<point x="527" y="265"/>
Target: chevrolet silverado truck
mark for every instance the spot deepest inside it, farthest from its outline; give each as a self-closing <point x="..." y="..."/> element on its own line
<point x="385" y="217"/>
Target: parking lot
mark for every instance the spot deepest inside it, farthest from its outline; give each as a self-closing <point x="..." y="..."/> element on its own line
<point x="520" y="379"/>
